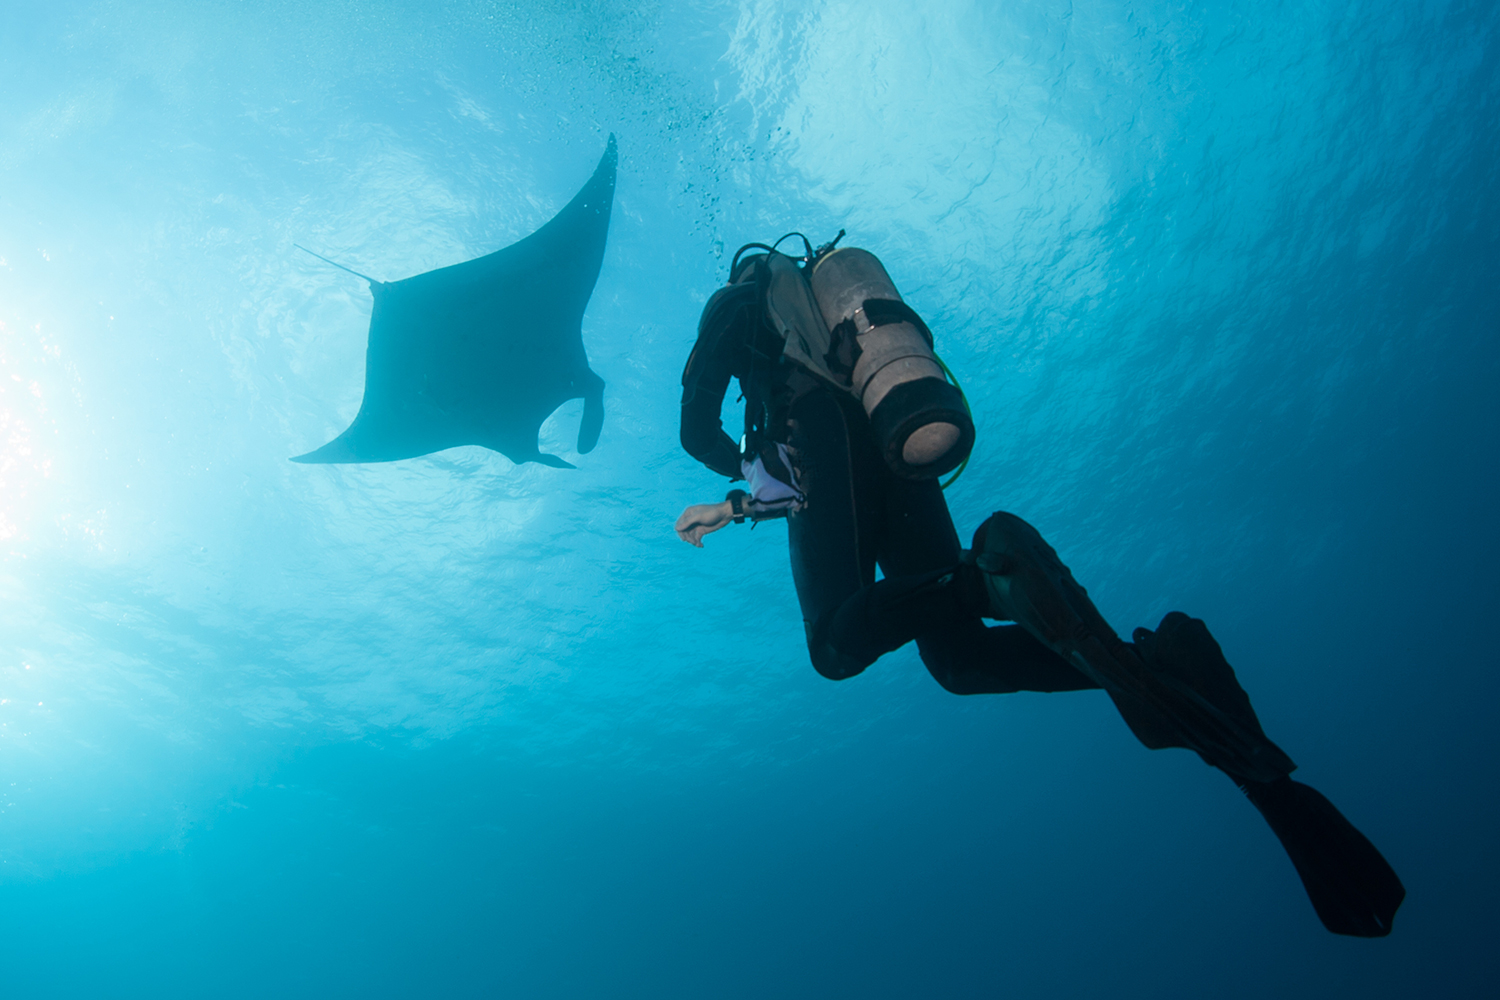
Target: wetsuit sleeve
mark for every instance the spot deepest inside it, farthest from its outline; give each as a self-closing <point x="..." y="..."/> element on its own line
<point x="706" y="379"/>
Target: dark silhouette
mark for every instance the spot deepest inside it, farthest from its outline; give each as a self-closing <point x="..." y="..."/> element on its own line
<point x="812" y="454"/>
<point x="483" y="352"/>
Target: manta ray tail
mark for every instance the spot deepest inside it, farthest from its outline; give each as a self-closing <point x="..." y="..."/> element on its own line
<point x="336" y="264"/>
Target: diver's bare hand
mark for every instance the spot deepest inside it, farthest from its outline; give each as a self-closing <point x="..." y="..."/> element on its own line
<point x="702" y="519"/>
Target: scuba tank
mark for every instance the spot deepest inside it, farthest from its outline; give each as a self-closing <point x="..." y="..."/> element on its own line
<point x="919" y="419"/>
<point x="843" y="320"/>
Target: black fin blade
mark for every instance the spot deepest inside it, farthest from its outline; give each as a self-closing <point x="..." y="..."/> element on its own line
<point x="1352" y="887"/>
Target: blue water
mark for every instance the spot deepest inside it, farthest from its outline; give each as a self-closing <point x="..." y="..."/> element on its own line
<point x="1220" y="280"/>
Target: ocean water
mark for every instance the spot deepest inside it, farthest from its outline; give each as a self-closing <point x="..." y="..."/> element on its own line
<point x="1220" y="280"/>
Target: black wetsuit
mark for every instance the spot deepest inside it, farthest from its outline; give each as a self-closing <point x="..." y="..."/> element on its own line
<point x="858" y="515"/>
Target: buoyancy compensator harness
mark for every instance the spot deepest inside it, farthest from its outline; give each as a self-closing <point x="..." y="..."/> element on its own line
<point x="841" y="320"/>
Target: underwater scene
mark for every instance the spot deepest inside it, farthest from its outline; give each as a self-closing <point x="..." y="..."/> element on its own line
<point x="448" y="708"/>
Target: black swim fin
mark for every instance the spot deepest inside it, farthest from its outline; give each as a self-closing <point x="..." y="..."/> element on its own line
<point x="1188" y="705"/>
<point x="1174" y="688"/>
<point x="1352" y="887"/>
<point x="1185" y="656"/>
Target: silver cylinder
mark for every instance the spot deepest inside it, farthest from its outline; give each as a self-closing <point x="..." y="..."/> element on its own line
<point x="919" y="420"/>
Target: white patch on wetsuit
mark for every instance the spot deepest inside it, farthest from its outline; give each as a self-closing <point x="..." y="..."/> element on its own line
<point x="767" y="490"/>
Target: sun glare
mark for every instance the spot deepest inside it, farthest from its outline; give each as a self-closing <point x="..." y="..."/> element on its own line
<point x="24" y="465"/>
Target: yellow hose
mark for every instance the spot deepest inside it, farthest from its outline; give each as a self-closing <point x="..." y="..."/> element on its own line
<point x="954" y="379"/>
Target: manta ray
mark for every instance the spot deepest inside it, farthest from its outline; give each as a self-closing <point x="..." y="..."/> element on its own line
<point x="484" y="351"/>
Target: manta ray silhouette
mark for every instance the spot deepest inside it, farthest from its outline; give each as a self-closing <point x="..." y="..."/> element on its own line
<point x="483" y="352"/>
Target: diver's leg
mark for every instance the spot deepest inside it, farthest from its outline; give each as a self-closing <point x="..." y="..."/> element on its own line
<point x="850" y="619"/>
<point x="832" y="538"/>
<point x="856" y="511"/>
<point x="962" y="654"/>
<point x="969" y="657"/>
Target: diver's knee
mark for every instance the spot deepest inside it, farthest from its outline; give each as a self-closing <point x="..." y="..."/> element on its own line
<point x="826" y="658"/>
<point x="834" y="665"/>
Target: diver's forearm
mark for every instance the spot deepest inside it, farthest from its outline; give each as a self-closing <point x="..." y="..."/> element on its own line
<point x="704" y="519"/>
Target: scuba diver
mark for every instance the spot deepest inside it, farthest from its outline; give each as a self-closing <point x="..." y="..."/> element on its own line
<point x="850" y="420"/>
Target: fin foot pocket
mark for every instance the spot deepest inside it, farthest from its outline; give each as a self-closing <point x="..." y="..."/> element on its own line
<point x="1352" y="887"/>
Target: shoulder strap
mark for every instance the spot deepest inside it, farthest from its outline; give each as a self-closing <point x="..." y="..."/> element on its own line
<point x="795" y="316"/>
